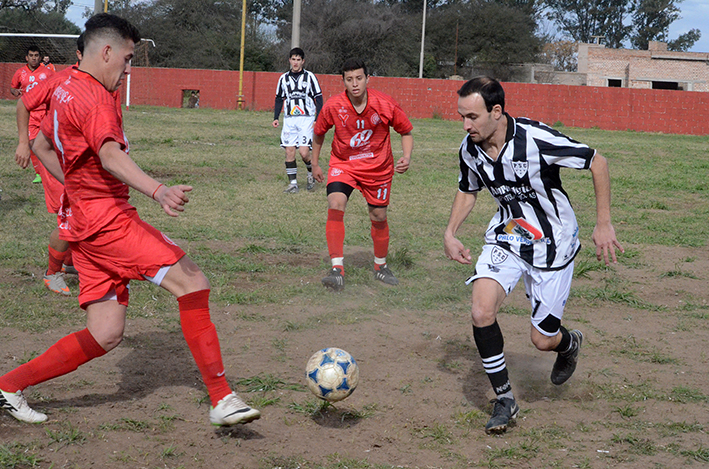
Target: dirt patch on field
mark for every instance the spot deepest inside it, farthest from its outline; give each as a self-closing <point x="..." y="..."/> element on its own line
<point x="638" y="399"/>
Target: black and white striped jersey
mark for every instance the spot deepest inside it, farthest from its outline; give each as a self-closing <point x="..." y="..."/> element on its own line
<point x="298" y="93"/>
<point x="535" y="219"/>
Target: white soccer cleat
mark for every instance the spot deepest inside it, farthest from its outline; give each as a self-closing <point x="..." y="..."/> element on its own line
<point x="16" y="404"/>
<point x="232" y="410"/>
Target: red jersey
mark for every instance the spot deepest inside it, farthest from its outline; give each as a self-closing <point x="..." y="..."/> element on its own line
<point x="362" y="144"/>
<point x="82" y="117"/>
<point x="25" y="80"/>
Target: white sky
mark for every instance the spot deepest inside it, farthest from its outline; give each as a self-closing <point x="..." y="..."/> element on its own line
<point x="695" y="15"/>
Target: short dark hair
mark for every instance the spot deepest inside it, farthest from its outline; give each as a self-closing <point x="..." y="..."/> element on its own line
<point x="297" y="51"/>
<point x="353" y="64"/>
<point x="80" y="43"/>
<point x="32" y="48"/>
<point x="487" y="87"/>
<point x="112" y="24"/>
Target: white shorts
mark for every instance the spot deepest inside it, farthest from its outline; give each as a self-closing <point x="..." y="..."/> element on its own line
<point x="547" y="290"/>
<point x="297" y="131"/>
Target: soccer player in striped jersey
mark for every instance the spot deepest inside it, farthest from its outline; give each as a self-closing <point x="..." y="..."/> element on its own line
<point x="299" y="96"/>
<point x="111" y="245"/>
<point x="362" y="159"/>
<point x="534" y="234"/>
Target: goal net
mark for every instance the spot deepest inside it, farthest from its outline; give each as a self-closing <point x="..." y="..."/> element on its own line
<point x="61" y="48"/>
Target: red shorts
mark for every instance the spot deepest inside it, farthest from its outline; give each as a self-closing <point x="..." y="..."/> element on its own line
<point x="127" y="249"/>
<point x="375" y="191"/>
<point x="53" y="189"/>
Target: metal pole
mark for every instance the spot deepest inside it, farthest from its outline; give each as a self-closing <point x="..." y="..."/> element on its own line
<point x="423" y="38"/>
<point x="295" y="34"/>
<point x="105" y="6"/>
<point x="240" y="98"/>
<point x="98" y="6"/>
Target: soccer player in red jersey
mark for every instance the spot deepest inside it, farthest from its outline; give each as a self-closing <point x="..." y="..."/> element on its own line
<point x="111" y="245"/>
<point x="24" y="79"/>
<point x="362" y="159"/>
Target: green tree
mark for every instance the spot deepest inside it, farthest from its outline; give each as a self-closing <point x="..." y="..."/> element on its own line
<point x="652" y="20"/>
<point x="583" y="19"/>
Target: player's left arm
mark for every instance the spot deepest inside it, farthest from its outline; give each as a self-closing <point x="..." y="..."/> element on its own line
<point x="42" y="147"/>
<point x="604" y="233"/>
<point x="117" y="162"/>
<point x="407" y="145"/>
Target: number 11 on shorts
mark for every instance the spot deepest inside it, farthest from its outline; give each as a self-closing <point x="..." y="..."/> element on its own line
<point x="382" y="193"/>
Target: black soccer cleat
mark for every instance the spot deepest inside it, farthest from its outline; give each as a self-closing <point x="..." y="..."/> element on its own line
<point x="566" y="362"/>
<point x="334" y="279"/>
<point x="504" y="412"/>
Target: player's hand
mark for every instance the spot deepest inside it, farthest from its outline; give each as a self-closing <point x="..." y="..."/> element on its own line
<point x="456" y="251"/>
<point x="317" y="173"/>
<point x="275" y="123"/>
<point x="172" y="199"/>
<point x="22" y="155"/>
<point x="402" y="165"/>
<point x="605" y="241"/>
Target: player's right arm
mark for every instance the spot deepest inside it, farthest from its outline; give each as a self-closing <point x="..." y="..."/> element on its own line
<point x="114" y="160"/>
<point x="315" y="157"/>
<point x="42" y="147"/>
<point x="22" y="153"/>
<point x="462" y="206"/>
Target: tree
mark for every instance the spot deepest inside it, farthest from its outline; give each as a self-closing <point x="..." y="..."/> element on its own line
<point x="36" y="16"/>
<point x="562" y="55"/>
<point x="582" y="20"/>
<point x="199" y="33"/>
<point x="652" y="20"/>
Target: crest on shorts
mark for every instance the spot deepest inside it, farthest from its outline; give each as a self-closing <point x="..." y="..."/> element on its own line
<point x="520" y="168"/>
<point x="335" y="172"/>
<point x="498" y="255"/>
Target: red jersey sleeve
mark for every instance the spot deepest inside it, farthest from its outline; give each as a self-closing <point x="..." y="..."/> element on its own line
<point x="102" y="125"/>
<point x="400" y="123"/>
<point x="39" y="95"/>
<point x="325" y="120"/>
<point x="16" y="79"/>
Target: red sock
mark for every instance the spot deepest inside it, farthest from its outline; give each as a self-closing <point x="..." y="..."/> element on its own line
<point x="61" y="358"/>
<point x="201" y="337"/>
<point x="335" y="232"/>
<point x="67" y="257"/>
<point x="380" y="237"/>
<point x="56" y="259"/>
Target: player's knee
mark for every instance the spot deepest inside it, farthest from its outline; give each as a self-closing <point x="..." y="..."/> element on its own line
<point x="546" y="336"/>
<point x="482" y="316"/>
<point x="109" y="339"/>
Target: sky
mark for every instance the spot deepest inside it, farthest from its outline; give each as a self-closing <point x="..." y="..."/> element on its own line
<point x="695" y="15"/>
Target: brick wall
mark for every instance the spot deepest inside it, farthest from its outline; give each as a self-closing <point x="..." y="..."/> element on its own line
<point x="679" y="112"/>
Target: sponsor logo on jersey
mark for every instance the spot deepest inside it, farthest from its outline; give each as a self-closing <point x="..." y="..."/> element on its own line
<point x="343" y="115"/>
<point x="42" y="76"/>
<point x="522" y="227"/>
<point x="297" y="111"/>
<point x="520" y="168"/>
<point x="375" y="119"/>
<point x="361" y="139"/>
<point x="362" y="156"/>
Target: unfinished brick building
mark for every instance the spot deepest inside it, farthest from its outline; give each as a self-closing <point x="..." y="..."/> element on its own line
<point x="656" y="68"/>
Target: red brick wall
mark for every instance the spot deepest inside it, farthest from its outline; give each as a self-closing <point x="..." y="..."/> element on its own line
<point x="679" y="112"/>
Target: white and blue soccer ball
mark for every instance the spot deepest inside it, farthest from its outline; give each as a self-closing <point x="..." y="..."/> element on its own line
<point x="332" y="374"/>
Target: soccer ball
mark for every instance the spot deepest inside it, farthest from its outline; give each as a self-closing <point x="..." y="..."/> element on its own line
<point x="332" y="374"/>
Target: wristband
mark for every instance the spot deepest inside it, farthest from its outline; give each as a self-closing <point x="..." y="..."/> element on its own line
<point x="155" y="191"/>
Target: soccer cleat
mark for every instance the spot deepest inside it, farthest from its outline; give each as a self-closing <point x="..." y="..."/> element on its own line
<point x="385" y="275"/>
<point x="505" y="410"/>
<point x="16" y="404"/>
<point x="291" y="189"/>
<point x="334" y="279"/>
<point x="565" y="363"/>
<point x="232" y="410"/>
<point x="311" y="184"/>
<point x="37" y="179"/>
<point x="56" y="283"/>
<point x="69" y="269"/>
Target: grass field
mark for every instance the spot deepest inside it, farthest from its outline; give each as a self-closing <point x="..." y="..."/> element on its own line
<point x="640" y="399"/>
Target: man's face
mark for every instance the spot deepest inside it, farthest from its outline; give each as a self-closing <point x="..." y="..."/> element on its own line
<point x="118" y="65"/>
<point x="32" y="59"/>
<point x="355" y="82"/>
<point x="296" y="63"/>
<point x="477" y="121"/>
<point x="45" y="60"/>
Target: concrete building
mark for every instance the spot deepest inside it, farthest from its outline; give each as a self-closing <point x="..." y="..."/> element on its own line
<point x="656" y="68"/>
